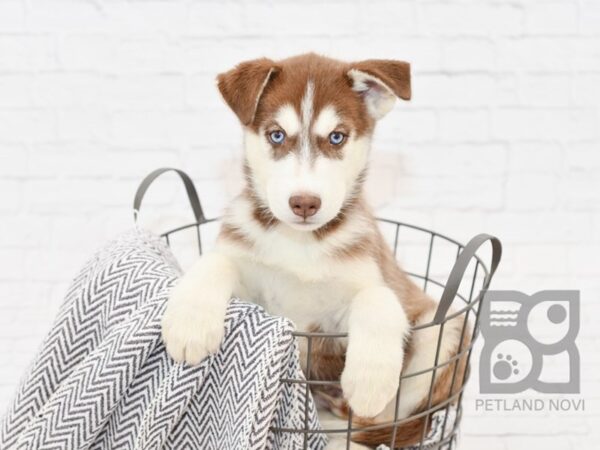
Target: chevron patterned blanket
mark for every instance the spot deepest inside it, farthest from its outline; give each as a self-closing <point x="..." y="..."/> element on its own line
<point x="102" y="379"/>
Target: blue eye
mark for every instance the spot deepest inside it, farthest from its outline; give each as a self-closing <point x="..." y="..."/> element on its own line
<point x="336" y="138"/>
<point x="277" y="137"/>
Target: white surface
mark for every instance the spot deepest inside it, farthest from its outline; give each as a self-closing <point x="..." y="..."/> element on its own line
<point x="502" y="136"/>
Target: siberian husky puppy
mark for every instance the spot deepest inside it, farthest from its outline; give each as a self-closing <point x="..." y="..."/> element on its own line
<point x="301" y="241"/>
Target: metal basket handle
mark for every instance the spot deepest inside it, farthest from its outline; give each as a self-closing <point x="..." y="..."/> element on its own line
<point x="189" y="187"/>
<point x="458" y="272"/>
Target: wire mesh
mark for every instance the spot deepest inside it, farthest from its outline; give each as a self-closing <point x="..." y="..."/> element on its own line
<point x="466" y="305"/>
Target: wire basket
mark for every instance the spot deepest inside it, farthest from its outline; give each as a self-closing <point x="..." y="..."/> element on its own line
<point x="463" y="279"/>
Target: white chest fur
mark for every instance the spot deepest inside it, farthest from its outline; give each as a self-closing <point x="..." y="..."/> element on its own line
<point x="296" y="281"/>
<point x="322" y="303"/>
<point x="295" y="274"/>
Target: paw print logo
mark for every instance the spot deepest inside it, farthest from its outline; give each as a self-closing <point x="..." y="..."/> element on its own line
<point x="523" y="332"/>
<point x="505" y="367"/>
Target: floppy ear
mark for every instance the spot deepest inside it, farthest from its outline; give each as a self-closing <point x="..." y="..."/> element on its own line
<point x="380" y="81"/>
<point x="242" y="86"/>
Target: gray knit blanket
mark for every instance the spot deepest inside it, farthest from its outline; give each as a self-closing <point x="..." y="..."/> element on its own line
<point x="102" y="378"/>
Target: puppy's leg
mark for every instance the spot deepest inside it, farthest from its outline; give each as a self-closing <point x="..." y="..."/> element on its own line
<point x="377" y="327"/>
<point x="193" y="323"/>
<point x="424" y="342"/>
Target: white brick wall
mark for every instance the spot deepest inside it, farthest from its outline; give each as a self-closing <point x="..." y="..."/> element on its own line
<point x="502" y="136"/>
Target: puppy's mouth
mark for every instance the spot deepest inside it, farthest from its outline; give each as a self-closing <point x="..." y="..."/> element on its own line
<point x="305" y="224"/>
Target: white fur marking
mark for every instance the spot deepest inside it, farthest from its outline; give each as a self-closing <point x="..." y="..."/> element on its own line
<point x="307" y="110"/>
<point x="287" y="118"/>
<point x="326" y="122"/>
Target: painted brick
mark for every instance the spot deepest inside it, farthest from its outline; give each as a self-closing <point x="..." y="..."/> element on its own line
<point x="470" y="18"/>
<point x="545" y="90"/>
<point x="543" y="124"/>
<point x="551" y="54"/>
<point x="501" y="136"/>
<point x="535" y="157"/>
<point x="15" y="91"/>
<point x="589" y="16"/>
<point x="28" y="52"/>
<point x="531" y="192"/>
<point x="552" y="17"/>
<point x="465" y="126"/>
<point x="469" y="54"/>
<point x="13" y="160"/>
<point x="12" y="15"/>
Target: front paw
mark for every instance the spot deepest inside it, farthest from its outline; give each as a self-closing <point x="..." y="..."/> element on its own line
<point x="192" y="330"/>
<point x="377" y="328"/>
<point x="370" y="382"/>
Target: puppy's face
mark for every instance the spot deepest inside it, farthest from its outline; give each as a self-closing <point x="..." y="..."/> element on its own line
<point x="308" y="122"/>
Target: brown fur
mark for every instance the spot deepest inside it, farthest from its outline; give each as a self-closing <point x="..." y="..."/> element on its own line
<point x="395" y="74"/>
<point x="233" y="234"/>
<point x="328" y="356"/>
<point x="408" y="433"/>
<point x="241" y="86"/>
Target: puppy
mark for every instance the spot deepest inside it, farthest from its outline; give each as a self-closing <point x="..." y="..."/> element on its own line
<point x="300" y="241"/>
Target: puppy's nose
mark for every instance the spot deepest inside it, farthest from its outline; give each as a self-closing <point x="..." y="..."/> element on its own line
<point x="305" y="205"/>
